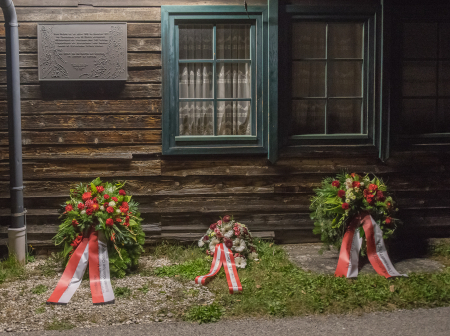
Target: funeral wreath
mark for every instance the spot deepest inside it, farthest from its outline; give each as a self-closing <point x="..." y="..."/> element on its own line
<point x="106" y="207"/>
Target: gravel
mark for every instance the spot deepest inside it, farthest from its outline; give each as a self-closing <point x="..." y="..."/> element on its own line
<point x="153" y="299"/>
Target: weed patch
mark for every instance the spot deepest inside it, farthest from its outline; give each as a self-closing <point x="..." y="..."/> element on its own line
<point x="58" y="325"/>
<point x="204" y="314"/>
<point x="122" y="292"/>
<point x="10" y="269"/>
<point x="39" y="289"/>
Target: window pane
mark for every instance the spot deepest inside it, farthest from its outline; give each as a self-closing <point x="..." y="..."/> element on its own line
<point x="419" y="40"/>
<point x="344" y="116"/>
<point x="233" y="80"/>
<point x="196" y="118"/>
<point x="419" y="79"/>
<point x="444" y="115"/>
<point x="195" y="41"/>
<point x="444" y="79"/>
<point x="308" y="79"/>
<point x="233" y="118"/>
<point x="308" y="117"/>
<point x="308" y="40"/>
<point x="418" y="116"/>
<point x="344" y="79"/>
<point x="345" y="40"/>
<point x="195" y="80"/>
<point x="444" y="40"/>
<point x="233" y="41"/>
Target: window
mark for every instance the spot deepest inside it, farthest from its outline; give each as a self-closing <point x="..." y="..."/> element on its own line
<point x="330" y="99"/>
<point x="425" y="79"/>
<point x="213" y="83"/>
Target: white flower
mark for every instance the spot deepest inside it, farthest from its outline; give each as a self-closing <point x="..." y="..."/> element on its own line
<point x="347" y="200"/>
<point x="118" y="211"/>
<point x="353" y="197"/>
<point x="227" y="227"/>
<point x="348" y="183"/>
<point x="201" y="243"/>
<point x="253" y="256"/>
<point x="240" y="262"/>
<point x="362" y="184"/>
<point x="236" y="242"/>
<point x="213" y="243"/>
<point x="83" y="212"/>
<point x="229" y="234"/>
<point x="112" y="204"/>
<point x="241" y="247"/>
<point x="102" y="208"/>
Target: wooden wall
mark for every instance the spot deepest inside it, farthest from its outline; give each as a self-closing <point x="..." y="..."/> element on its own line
<point x="74" y="132"/>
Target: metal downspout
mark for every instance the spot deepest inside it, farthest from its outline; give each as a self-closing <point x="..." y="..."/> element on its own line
<point x="17" y="229"/>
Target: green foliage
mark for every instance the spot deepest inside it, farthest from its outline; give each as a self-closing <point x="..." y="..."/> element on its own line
<point x="59" y="325"/>
<point x="40" y="310"/>
<point x="188" y="270"/>
<point x="441" y="249"/>
<point x="332" y="212"/>
<point x="10" y="269"/>
<point x="204" y="314"/>
<point x="39" y="289"/>
<point x="122" y="292"/>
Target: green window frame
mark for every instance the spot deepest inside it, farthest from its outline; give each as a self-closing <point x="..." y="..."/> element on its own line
<point x="172" y="142"/>
<point x="371" y="115"/>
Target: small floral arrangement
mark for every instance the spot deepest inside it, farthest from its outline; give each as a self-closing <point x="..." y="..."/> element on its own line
<point x="339" y="199"/>
<point x="234" y="235"/>
<point x="106" y="207"/>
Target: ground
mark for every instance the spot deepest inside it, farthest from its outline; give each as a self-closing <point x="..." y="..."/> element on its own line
<point x="290" y="281"/>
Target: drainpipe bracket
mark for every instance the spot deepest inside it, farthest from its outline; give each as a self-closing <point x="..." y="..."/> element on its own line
<point x="19" y="214"/>
<point x="18" y="188"/>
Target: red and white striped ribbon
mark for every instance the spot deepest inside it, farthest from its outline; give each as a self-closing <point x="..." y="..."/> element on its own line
<point x="92" y="250"/>
<point x="223" y="256"/>
<point x="376" y="250"/>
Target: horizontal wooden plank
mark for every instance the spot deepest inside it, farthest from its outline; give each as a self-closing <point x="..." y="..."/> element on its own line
<point x="90" y="150"/>
<point x="133" y="44"/>
<point x="29" y="30"/>
<point x="149" y="59"/>
<point x="30" y="76"/>
<point x="87" y="137"/>
<point x="90" y="170"/>
<point x="42" y="14"/>
<point x="88" y="90"/>
<point x="140" y="106"/>
<point x="85" y="122"/>
<point x="131" y="3"/>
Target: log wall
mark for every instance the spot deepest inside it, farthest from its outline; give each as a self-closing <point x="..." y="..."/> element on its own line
<point x="76" y="132"/>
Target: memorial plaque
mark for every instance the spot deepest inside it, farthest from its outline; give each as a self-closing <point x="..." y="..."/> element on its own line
<point x="82" y="51"/>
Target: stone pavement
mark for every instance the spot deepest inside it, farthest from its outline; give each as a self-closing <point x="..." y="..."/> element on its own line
<point x="307" y="257"/>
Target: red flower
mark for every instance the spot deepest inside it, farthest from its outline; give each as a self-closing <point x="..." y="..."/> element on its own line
<point x="370" y="198"/>
<point x="353" y="175"/>
<point x="127" y="224"/>
<point x="229" y="243"/>
<point x="109" y="222"/>
<point x="100" y="189"/>
<point x="114" y="199"/>
<point x="95" y="207"/>
<point x="125" y="205"/>
<point x="110" y="209"/>
<point x="341" y="193"/>
<point x="89" y="203"/>
<point x="213" y="226"/>
<point x="105" y="204"/>
<point x="380" y="196"/>
<point x="86" y="196"/>
<point x="219" y="222"/>
<point x="118" y="220"/>
<point x="77" y="240"/>
<point x="122" y="192"/>
<point x="74" y="222"/>
<point x="373" y="187"/>
<point x="335" y="183"/>
<point x="356" y="184"/>
<point x="89" y="211"/>
<point x="218" y="233"/>
<point x="69" y="208"/>
<point x="226" y="218"/>
<point x="122" y="209"/>
<point x="345" y="206"/>
<point x="105" y="196"/>
<point x="95" y="200"/>
<point x="80" y="206"/>
<point x="206" y="238"/>
<point x="388" y="220"/>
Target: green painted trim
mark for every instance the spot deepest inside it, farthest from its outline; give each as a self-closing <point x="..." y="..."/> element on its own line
<point x="173" y="144"/>
<point x="273" y="81"/>
<point x="329" y="136"/>
<point x="181" y="138"/>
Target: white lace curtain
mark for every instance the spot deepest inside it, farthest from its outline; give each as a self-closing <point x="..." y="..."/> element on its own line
<point x="196" y="82"/>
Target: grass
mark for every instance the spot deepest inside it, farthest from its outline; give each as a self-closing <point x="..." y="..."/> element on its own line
<point x="274" y="286"/>
<point x="11" y="269"/>
<point x="58" y="325"/>
<point x="204" y="314"/>
<point x="122" y="292"/>
<point x="39" y="289"/>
